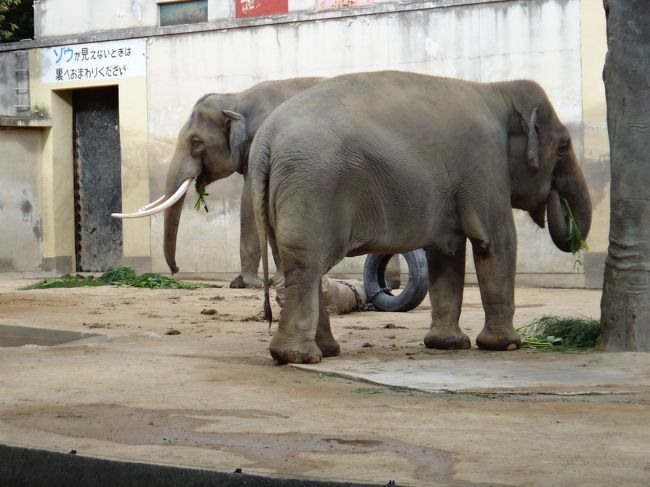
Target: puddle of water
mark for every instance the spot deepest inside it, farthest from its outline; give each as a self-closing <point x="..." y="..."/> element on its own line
<point x="17" y="336"/>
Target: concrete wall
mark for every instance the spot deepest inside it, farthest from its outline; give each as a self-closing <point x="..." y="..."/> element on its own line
<point x="21" y="221"/>
<point x="53" y="17"/>
<point x="559" y="43"/>
<point x="486" y="42"/>
<point x="8" y="96"/>
<point x="595" y="138"/>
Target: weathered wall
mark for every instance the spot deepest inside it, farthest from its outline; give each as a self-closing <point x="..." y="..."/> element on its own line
<point x="488" y="42"/>
<point x="559" y="43"/>
<point x="8" y="97"/>
<point x="20" y="208"/>
<point x="595" y="138"/>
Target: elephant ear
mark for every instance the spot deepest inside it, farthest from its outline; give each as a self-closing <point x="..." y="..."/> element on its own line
<point x="532" y="152"/>
<point x="237" y="137"/>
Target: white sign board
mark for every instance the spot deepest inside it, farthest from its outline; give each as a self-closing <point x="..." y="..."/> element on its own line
<point x="97" y="61"/>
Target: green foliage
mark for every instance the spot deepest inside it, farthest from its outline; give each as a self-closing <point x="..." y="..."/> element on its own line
<point x="122" y="276"/>
<point x="7" y="28"/>
<point x="563" y="334"/>
<point x="200" y="200"/>
<point x="118" y="276"/>
<point x="577" y="243"/>
<point x="66" y="281"/>
<point x="16" y="20"/>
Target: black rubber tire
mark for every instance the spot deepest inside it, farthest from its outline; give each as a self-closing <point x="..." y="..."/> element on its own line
<point x="413" y="292"/>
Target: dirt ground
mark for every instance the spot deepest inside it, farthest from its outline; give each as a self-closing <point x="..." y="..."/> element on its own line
<point x="186" y="379"/>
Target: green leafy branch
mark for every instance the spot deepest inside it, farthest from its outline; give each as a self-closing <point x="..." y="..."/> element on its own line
<point x="577" y="243"/>
<point x="7" y="29"/>
<point x="200" y="200"/>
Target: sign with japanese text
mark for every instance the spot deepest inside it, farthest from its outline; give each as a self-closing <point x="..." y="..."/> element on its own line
<point x="254" y="8"/>
<point x="97" y="61"/>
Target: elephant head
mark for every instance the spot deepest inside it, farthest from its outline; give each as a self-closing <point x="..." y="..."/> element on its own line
<point x="543" y="165"/>
<point x="211" y="145"/>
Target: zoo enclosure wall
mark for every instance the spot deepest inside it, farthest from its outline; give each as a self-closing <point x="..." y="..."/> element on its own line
<point x="559" y="43"/>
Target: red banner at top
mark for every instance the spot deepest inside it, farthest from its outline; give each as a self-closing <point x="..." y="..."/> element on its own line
<point x="255" y="8"/>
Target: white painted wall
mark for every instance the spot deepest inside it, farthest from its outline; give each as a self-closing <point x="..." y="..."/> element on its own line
<point x="66" y="17"/>
<point x="538" y="40"/>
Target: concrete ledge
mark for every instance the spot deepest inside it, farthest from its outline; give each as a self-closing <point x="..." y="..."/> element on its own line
<point x="21" y="466"/>
<point x="24" y="122"/>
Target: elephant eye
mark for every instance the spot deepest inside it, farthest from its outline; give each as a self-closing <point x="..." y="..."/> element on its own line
<point x="197" y="143"/>
<point x="562" y="150"/>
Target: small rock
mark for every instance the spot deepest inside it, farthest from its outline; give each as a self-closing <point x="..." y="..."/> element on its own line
<point x="367" y="345"/>
<point x="173" y="331"/>
<point x="210" y="311"/>
<point x="217" y="298"/>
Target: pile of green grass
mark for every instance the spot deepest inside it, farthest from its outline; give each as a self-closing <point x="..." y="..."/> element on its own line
<point x="563" y="334"/>
<point x="122" y="276"/>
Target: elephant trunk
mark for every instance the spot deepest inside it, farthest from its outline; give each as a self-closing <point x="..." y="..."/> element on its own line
<point x="172" y="219"/>
<point x="569" y="183"/>
<point x="181" y="173"/>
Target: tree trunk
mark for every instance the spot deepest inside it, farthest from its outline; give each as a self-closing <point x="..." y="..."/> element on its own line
<point x="625" y="305"/>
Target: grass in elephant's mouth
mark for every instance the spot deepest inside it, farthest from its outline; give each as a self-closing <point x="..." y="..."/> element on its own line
<point x="200" y="200"/>
<point x="577" y="243"/>
<point x="560" y="334"/>
<point x="122" y="276"/>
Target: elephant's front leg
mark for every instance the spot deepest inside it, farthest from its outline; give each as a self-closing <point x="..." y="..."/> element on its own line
<point x="295" y="340"/>
<point x="495" y="269"/>
<point x="446" y="282"/>
<point x="249" y="244"/>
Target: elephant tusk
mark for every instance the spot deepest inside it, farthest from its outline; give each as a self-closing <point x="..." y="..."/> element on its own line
<point x="151" y="209"/>
<point x="152" y="204"/>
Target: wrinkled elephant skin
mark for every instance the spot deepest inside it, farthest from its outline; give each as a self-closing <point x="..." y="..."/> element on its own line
<point x="389" y="162"/>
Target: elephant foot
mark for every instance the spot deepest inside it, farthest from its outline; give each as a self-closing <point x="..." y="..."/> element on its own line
<point x="458" y="341"/>
<point x="248" y="281"/>
<point x="503" y="340"/>
<point x="292" y="352"/>
<point x="330" y="348"/>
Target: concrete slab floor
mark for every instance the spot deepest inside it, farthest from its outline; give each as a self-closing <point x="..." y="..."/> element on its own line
<point x="185" y="379"/>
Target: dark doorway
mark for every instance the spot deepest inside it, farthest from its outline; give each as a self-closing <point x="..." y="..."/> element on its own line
<point x="98" y="190"/>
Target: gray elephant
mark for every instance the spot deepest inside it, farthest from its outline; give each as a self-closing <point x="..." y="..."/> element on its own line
<point x="212" y="145"/>
<point x="392" y="161"/>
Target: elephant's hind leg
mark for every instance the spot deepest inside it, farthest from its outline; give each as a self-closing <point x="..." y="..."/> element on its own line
<point x="324" y="338"/>
<point x="446" y="281"/>
<point x="295" y="340"/>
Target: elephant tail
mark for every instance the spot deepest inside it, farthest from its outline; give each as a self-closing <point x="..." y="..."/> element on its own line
<point x="259" y="167"/>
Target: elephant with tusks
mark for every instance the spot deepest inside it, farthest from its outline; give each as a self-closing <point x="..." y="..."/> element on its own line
<point x="213" y="144"/>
